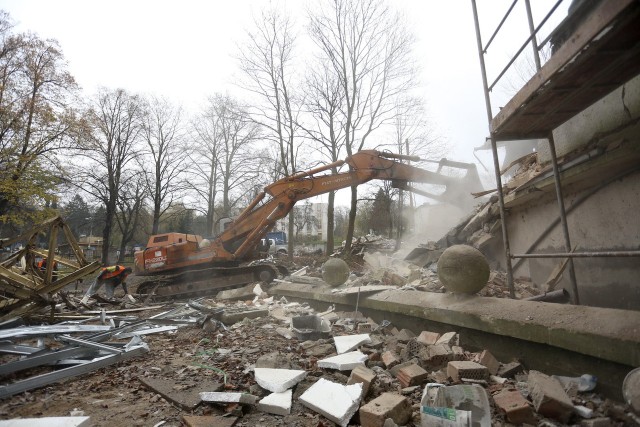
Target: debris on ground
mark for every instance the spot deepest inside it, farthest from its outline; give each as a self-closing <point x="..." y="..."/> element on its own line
<point x="245" y="372"/>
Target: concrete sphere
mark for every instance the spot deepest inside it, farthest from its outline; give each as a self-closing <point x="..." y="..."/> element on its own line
<point x="463" y="269"/>
<point x="335" y="272"/>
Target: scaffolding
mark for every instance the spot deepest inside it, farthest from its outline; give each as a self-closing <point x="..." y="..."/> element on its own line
<point x="596" y="48"/>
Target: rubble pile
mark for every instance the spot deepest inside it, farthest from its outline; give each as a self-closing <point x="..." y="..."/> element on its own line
<point x="244" y="363"/>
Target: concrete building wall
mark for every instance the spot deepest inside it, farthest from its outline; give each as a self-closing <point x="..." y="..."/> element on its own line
<point x="607" y="220"/>
<point x="612" y="112"/>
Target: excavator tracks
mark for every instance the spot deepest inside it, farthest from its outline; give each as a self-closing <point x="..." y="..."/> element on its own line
<point x="205" y="282"/>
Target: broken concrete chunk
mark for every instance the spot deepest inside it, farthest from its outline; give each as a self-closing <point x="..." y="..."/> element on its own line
<point x="548" y="396"/>
<point x="278" y="380"/>
<point x="404" y="335"/>
<point x="487" y="359"/>
<point x="509" y="370"/>
<point x="364" y="375"/>
<point x="222" y="397"/>
<point x="385" y="406"/>
<point x="349" y="342"/>
<point x="274" y="360"/>
<point x="343" y="362"/>
<point x="465" y="369"/>
<point x="277" y="403"/>
<point x="187" y="399"/>
<point x="335" y="401"/>
<point x="285" y="332"/>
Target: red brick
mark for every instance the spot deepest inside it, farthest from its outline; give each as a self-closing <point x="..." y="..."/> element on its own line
<point x="517" y="409"/>
<point x="387" y="405"/>
<point x="466" y="369"/>
<point x="428" y="338"/>
<point x="390" y="359"/>
<point x="412" y="375"/>
<point x="364" y="375"/>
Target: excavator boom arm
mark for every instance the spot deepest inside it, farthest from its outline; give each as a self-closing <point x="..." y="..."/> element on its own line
<point x="252" y="225"/>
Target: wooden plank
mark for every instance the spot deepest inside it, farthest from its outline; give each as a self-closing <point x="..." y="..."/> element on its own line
<point x="77" y="251"/>
<point x="78" y="274"/>
<point x="53" y="243"/>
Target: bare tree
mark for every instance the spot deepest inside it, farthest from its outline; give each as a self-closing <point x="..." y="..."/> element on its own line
<point x="368" y="49"/>
<point x="37" y="121"/>
<point x="204" y="164"/>
<point x="225" y="159"/>
<point x="267" y="62"/>
<point x="165" y="149"/>
<point x="326" y="126"/>
<point x="110" y="149"/>
<point x="130" y="205"/>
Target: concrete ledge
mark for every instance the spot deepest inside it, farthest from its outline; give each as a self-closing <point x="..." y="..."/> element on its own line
<point x="603" y="333"/>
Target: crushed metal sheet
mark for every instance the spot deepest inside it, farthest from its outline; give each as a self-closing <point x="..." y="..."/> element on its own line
<point x="50" y="330"/>
<point x="145" y="331"/>
<point x="135" y="348"/>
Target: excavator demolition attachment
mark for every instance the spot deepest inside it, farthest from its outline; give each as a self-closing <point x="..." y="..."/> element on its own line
<point x="182" y="265"/>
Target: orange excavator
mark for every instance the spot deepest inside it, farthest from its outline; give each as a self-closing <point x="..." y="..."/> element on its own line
<point x="198" y="265"/>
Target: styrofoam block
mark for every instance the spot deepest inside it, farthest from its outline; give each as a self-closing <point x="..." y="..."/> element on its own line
<point x="335" y="401"/>
<point x="277" y="403"/>
<point x="222" y="397"/>
<point x="343" y="362"/>
<point x="349" y="342"/>
<point x="278" y="380"/>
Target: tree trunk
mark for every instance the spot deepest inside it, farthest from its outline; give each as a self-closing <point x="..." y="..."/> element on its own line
<point x="352" y="221"/>
<point x="106" y="232"/>
<point x="290" y="233"/>
<point x="330" y="223"/>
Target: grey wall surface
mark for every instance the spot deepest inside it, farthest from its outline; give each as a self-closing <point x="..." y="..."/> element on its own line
<point x="607" y="220"/>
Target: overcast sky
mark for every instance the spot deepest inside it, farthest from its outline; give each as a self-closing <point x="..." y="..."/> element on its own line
<point x="185" y="50"/>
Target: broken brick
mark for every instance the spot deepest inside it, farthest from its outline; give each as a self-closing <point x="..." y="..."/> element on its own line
<point x="386" y="406"/>
<point x="457" y="370"/>
<point x="364" y="375"/>
<point x="548" y="396"/>
<point x="405" y="335"/>
<point x="428" y="338"/>
<point x="390" y="359"/>
<point x="438" y="355"/>
<point x="411" y="375"/>
<point x="516" y="408"/>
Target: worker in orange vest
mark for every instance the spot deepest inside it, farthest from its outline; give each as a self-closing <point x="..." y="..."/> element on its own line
<point x="111" y="277"/>
<point x="42" y="266"/>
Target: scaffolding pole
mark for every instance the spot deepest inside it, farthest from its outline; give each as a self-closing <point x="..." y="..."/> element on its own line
<point x="496" y="161"/>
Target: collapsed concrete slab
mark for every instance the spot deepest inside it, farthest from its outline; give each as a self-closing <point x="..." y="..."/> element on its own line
<point x="335" y="401"/>
<point x="343" y="362"/>
<point x="347" y="343"/>
<point x="278" y="380"/>
<point x="277" y="403"/>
